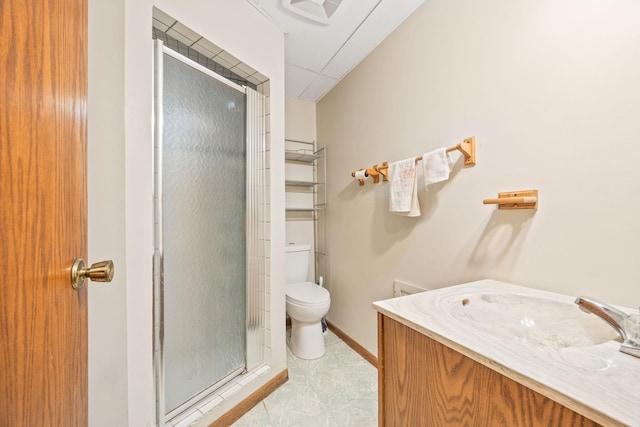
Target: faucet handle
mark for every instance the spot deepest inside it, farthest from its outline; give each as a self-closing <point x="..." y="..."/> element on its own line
<point x="632" y="326"/>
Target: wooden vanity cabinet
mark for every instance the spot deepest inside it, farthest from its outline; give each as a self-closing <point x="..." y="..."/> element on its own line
<point x="423" y="383"/>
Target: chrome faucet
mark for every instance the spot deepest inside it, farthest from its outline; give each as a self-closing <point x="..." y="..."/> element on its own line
<point x="627" y="325"/>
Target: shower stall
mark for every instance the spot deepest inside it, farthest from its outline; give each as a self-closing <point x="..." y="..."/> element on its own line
<point x="209" y="306"/>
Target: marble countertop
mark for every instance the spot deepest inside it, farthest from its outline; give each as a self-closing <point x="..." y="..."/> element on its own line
<point x="594" y="378"/>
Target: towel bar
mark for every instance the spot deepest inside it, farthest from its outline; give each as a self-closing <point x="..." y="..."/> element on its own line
<point x="466" y="147"/>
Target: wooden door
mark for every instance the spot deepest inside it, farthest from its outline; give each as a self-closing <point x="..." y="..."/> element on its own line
<point x="43" y="223"/>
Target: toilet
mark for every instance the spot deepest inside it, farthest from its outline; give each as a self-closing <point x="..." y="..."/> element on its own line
<point x="306" y="305"/>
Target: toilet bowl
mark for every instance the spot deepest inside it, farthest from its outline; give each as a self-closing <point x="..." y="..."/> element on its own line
<point x="306" y="304"/>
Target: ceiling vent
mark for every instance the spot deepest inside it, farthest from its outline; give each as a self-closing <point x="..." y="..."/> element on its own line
<point x="316" y="10"/>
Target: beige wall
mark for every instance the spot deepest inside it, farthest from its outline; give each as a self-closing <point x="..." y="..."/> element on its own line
<point x="107" y="302"/>
<point x="120" y="171"/>
<point x="300" y="120"/>
<point x="550" y="91"/>
<point x="300" y="125"/>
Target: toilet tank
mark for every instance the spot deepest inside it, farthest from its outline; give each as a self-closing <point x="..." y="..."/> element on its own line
<point x="297" y="263"/>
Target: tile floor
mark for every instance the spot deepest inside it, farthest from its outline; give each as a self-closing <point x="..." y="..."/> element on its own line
<point x="339" y="389"/>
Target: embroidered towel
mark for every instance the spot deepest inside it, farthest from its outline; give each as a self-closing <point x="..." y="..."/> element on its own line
<point x="403" y="188"/>
<point x="436" y="166"/>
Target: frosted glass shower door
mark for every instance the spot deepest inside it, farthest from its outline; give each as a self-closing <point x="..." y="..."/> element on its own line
<point x="202" y="163"/>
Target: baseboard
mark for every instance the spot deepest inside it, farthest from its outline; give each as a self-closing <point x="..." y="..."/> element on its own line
<point x="252" y="400"/>
<point x="353" y="344"/>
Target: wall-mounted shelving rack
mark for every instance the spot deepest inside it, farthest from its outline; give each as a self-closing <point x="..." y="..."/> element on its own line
<point x="306" y="154"/>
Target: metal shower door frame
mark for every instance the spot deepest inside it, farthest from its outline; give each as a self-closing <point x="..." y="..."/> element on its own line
<point x="254" y="348"/>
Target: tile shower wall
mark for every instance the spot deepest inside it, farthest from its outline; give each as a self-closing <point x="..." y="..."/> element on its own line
<point x="206" y="61"/>
<point x="195" y="47"/>
<point x="265" y="221"/>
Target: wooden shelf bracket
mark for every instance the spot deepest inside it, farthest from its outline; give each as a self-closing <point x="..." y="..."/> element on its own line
<point x="521" y="199"/>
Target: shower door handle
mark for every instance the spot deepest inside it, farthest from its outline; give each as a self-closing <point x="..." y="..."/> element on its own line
<point x="98" y="272"/>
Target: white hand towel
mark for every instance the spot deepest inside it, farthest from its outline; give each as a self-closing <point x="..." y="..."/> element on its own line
<point x="436" y="166"/>
<point x="403" y="188"/>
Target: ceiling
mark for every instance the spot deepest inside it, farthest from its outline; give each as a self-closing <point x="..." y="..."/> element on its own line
<point x="325" y="39"/>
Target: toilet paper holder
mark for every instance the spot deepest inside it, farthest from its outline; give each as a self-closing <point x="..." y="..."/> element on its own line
<point x="362" y="174"/>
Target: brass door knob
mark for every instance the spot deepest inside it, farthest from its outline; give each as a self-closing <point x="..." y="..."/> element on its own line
<point x="98" y="272"/>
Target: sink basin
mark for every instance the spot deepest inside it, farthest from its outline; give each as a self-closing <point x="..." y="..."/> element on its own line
<point x="528" y="319"/>
<point x="537" y="338"/>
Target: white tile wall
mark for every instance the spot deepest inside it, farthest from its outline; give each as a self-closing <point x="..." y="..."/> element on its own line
<point x="190" y="38"/>
<point x="163" y="17"/>
<point x="211" y="404"/>
<point x="206" y="44"/>
<point x="225" y="392"/>
<point x="160" y="25"/>
<point x="264" y="88"/>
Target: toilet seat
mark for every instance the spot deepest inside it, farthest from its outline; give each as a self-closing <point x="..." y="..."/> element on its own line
<point x="307" y="294"/>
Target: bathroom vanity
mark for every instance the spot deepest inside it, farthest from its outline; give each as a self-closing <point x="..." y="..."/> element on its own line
<point x="488" y="353"/>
